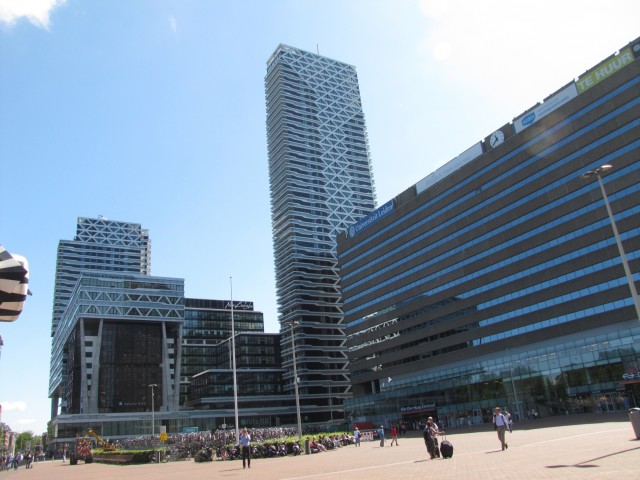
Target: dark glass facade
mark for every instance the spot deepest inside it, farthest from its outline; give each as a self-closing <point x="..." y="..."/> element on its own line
<point x="130" y="360"/>
<point x="207" y="323"/>
<point x="258" y="366"/>
<point x="118" y="336"/>
<point x="497" y="281"/>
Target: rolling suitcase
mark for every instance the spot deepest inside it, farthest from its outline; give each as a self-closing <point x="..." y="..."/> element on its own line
<point x="446" y="448"/>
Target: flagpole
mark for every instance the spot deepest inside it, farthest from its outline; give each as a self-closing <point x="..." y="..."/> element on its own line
<point x="233" y="360"/>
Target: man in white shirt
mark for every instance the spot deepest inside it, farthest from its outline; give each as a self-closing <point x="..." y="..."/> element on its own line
<point x="502" y="425"/>
<point x="245" y="443"/>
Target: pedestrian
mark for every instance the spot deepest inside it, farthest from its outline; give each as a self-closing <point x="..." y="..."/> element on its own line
<point x="356" y="436"/>
<point x="394" y="435"/>
<point x="429" y="438"/>
<point x="436" y="431"/>
<point x="502" y="425"/>
<point x="381" y="435"/>
<point x="245" y="443"/>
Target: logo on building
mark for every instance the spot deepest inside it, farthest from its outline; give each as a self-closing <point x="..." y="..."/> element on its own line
<point x="372" y="218"/>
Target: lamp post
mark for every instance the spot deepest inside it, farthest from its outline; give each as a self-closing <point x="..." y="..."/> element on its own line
<point x="598" y="172"/>
<point x="233" y="362"/>
<point x="153" y="410"/>
<point x="513" y="384"/>
<point x="292" y="324"/>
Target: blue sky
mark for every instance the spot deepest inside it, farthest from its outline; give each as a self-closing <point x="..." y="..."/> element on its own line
<point x="153" y="111"/>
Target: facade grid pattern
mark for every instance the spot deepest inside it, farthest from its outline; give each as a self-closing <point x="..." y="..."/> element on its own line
<point x="321" y="182"/>
<point x="480" y="290"/>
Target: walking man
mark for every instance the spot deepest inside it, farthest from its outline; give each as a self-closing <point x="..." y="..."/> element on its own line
<point x="381" y="435"/>
<point x="394" y="435"/>
<point x="502" y="425"/>
<point x="356" y="436"/>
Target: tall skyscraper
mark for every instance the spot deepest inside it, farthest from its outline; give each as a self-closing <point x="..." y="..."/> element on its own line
<point x="99" y="245"/>
<point x="321" y="183"/>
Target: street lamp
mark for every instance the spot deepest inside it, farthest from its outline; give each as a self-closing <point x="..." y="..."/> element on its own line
<point x="153" y="410"/>
<point x="292" y="324"/>
<point x="598" y="172"/>
<point x="233" y="364"/>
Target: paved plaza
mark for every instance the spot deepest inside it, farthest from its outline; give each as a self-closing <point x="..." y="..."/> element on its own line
<point x="577" y="447"/>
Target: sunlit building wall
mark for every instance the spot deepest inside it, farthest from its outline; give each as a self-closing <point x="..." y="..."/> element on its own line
<point x="496" y="280"/>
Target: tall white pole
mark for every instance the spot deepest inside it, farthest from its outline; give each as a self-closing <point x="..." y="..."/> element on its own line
<point x="233" y="360"/>
<point x="153" y="410"/>
<point x="295" y="380"/>
<point x="623" y="256"/>
<point x="513" y="385"/>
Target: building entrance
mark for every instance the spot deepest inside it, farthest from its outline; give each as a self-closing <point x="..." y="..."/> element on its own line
<point x="609" y="402"/>
<point x="417" y="421"/>
<point x="632" y="394"/>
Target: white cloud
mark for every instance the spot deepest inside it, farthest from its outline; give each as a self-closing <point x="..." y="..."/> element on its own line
<point x="36" y="11"/>
<point x="25" y="421"/>
<point x="517" y="48"/>
<point x="173" y="24"/>
<point x="18" y="405"/>
<point x="441" y="51"/>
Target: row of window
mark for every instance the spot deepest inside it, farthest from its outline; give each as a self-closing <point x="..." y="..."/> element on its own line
<point x="548" y="226"/>
<point x="540" y="377"/>
<point x="435" y="204"/>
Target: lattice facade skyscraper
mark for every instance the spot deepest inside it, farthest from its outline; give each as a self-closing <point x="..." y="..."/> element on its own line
<point x="103" y="245"/>
<point x="321" y="183"/>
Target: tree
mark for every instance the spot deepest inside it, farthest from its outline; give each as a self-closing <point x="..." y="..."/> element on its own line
<point x="24" y="440"/>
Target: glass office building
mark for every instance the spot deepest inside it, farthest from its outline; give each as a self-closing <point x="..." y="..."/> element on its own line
<point x="497" y="280"/>
<point x="261" y="401"/>
<point x="127" y="345"/>
<point x="207" y="324"/>
<point x="321" y="182"/>
<point x="119" y="335"/>
<point x="99" y="245"/>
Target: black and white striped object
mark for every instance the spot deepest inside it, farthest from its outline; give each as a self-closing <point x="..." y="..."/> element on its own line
<point x="14" y="285"/>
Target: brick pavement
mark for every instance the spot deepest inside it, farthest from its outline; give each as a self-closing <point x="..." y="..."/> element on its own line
<point x="577" y="447"/>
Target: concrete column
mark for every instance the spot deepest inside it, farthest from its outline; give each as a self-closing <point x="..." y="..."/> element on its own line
<point x="166" y="374"/>
<point x="95" y="379"/>
<point x="84" y="385"/>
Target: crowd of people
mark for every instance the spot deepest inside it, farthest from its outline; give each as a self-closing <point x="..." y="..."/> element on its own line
<point x="223" y="444"/>
<point x="10" y="461"/>
<point x="265" y="442"/>
<point x="331" y="442"/>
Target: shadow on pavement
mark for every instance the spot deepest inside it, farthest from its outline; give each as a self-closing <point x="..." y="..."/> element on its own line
<point x="587" y="463"/>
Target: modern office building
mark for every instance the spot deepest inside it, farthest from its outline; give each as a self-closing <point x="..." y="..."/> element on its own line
<point x="258" y="378"/>
<point x="117" y="345"/>
<point x="100" y="244"/>
<point x="207" y="324"/>
<point x="125" y="339"/>
<point x="321" y="182"/>
<point x="497" y="279"/>
<point x="127" y="345"/>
